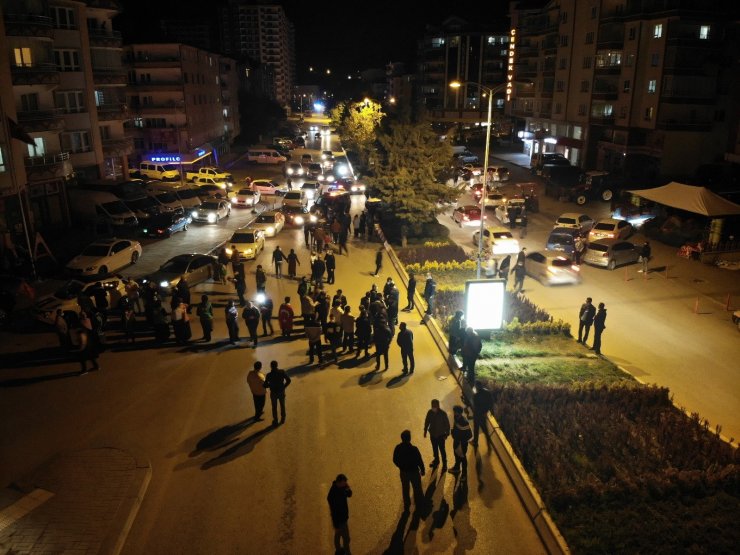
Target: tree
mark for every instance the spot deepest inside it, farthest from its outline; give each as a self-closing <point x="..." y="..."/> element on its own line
<point x="358" y="123"/>
<point x="337" y="115"/>
<point x="411" y="155"/>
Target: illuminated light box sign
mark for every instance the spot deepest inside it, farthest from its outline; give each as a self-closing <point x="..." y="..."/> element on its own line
<point x="484" y="303"/>
<point x="166" y="158"/>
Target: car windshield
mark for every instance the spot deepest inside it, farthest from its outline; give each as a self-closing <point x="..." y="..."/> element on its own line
<point x="187" y="194"/>
<point x="166" y="198"/>
<point x="566" y="221"/>
<point x="115" y="207"/>
<point x="560" y="262"/>
<point x="562" y="238"/>
<point x="314" y="167"/>
<point x="293" y="195"/>
<point x="210" y="206"/>
<point x="242" y="238"/>
<point x="246" y="192"/>
<point x="175" y="266"/>
<point x="310" y="186"/>
<point x="96" y="250"/>
<point x="502" y="235"/>
<point x="605" y="226"/>
<point x="69" y="290"/>
<point x="597" y="247"/>
<point x="266" y="219"/>
<point x="169" y="168"/>
<point x="143" y="203"/>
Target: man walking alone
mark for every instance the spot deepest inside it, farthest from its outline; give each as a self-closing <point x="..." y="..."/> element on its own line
<point x="438" y="425"/>
<point x="411" y="466"/>
<point x="277" y="381"/>
<point x="339" y="509"/>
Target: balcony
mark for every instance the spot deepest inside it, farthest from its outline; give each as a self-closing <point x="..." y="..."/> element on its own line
<point x="28" y="25"/>
<point x="118" y="147"/>
<point x="602" y="119"/>
<point x="110" y="76"/>
<point x="38" y="74"/>
<point x="41" y="120"/>
<point x="143" y="60"/>
<point x="608" y="69"/>
<point x="603" y="92"/>
<point x="108" y="112"/>
<point x="104" y="38"/>
<point x="50" y="166"/>
<point x="155" y="109"/>
<point x="175" y="85"/>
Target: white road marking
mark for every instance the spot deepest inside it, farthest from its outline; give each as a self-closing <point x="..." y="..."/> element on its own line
<point x="13" y="513"/>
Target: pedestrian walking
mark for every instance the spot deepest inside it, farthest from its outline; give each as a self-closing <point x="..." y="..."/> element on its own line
<point x="382" y="337"/>
<point x="277" y="259"/>
<point x="430" y="293"/>
<point x="331" y="265"/>
<point x="521" y="257"/>
<point x="319" y="237"/>
<point x="251" y="315"/>
<point x="322" y="309"/>
<point x="410" y="292"/>
<point x="456" y="330"/>
<point x="260" y="279"/>
<point x="599" y="326"/>
<point x="407" y="458"/>
<point x="312" y="328"/>
<point x="347" y="322"/>
<point x="645" y="252"/>
<point x="437" y="424"/>
<point x="62" y="329"/>
<point x="405" y="341"/>
<point x="363" y="329"/>
<point x="88" y="350"/>
<point x="133" y="294"/>
<point x="585" y="319"/>
<point x="266" y="307"/>
<point x="356" y="226"/>
<point x="205" y="315"/>
<point x="293" y="264"/>
<point x="503" y="268"/>
<point x="240" y="285"/>
<point x="378" y="261"/>
<point x="277" y="381"/>
<point x="318" y="270"/>
<point x="482" y="405"/>
<point x="519" y="275"/>
<point x="343" y="238"/>
<point x="285" y="317"/>
<point x="333" y="336"/>
<point x="461" y="435"/>
<point x="303" y="287"/>
<point x="256" y="382"/>
<point x="339" y="510"/>
<point x="308" y="234"/>
<point x="471" y="349"/>
<point x="232" y="321"/>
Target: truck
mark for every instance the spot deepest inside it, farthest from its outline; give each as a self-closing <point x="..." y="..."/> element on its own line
<point x="580" y="187"/>
<point x="208" y="171"/>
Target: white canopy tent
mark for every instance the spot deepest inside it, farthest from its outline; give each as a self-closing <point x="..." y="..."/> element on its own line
<point x="698" y="200"/>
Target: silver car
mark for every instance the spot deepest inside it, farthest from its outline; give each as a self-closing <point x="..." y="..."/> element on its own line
<point x="194" y="268"/>
<point x="552" y="268"/>
<point x="610" y="253"/>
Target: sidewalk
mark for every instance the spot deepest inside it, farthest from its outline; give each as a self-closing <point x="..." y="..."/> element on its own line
<point x="78" y="502"/>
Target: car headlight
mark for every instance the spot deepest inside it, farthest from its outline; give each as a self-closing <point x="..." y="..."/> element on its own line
<point x="270" y="229"/>
<point x="247" y="251"/>
<point x="290" y="171"/>
<point x="194" y="214"/>
<point x="234" y="200"/>
<point x="229" y="251"/>
<point x="313" y="219"/>
<point x="321" y="178"/>
<point x="211" y="218"/>
<point x="329" y="177"/>
<point x="164" y="284"/>
<point x="298" y="220"/>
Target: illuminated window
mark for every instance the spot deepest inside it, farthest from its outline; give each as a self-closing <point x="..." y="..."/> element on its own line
<point x="658" y="31"/>
<point x="704" y="32"/>
<point x="23" y="57"/>
<point x="652" y="85"/>
<point x="437" y="43"/>
<point x="2" y="162"/>
<point x="648" y="114"/>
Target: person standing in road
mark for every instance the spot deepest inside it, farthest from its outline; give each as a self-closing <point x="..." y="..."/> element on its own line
<point x="405" y="340"/>
<point x="251" y="315"/>
<point x="339" y="509"/>
<point x="471" y="349"/>
<point x="645" y="257"/>
<point x="378" y="261"/>
<point x="430" y="292"/>
<point x="356" y="226"/>
<point x="438" y="426"/>
<point x="308" y="233"/>
<point x="599" y="326"/>
<point x="183" y="291"/>
<point x="585" y="319"/>
<point x="348" y="330"/>
<point x="277" y="259"/>
<point x="579" y="245"/>
<point x="223" y="262"/>
<point x="461" y="435"/>
<point x="88" y="350"/>
<point x="363" y="329"/>
<point x="205" y="315"/>
<point x="285" y="317"/>
<point x="382" y="338"/>
<point x="482" y="405"/>
<point x="319" y="268"/>
<point x="519" y="275"/>
<point x="266" y="307"/>
<point x="313" y="333"/>
<point x="236" y="264"/>
<point x="363" y="222"/>
<point x="407" y="458"/>
<point x="232" y="321"/>
<point x="343" y="237"/>
<point x="256" y="382"/>
<point x="392" y="300"/>
<point x="331" y="266"/>
<point x="293" y="264"/>
<point x="260" y="279"/>
<point x="410" y="291"/>
<point x="521" y="257"/>
<point x="333" y="336"/>
<point x="277" y="382"/>
<point x="503" y="268"/>
<point x="319" y="236"/>
<point x="241" y="287"/>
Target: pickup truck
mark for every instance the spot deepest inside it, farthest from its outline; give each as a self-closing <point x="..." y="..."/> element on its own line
<point x="209" y="171"/>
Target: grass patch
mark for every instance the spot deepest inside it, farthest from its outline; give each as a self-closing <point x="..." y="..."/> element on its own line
<point x="548" y="370"/>
<point x="517" y="346"/>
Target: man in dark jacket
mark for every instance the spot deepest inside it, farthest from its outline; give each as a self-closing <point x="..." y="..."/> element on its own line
<point x="471" y="349"/>
<point x="331" y="265"/>
<point x="457" y="332"/>
<point x="363" y="329"/>
<point x="391" y="301"/>
<point x="277" y="381"/>
<point x="520" y="273"/>
<point x="339" y="509"/>
<point x="266" y="308"/>
<point x="409" y="462"/>
<point x="318" y="269"/>
<point x="438" y="425"/>
<point x="382" y="337"/>
<point x="378" y="261"/>
<point x="405" y="340"/>
<point x="251" y="317"/>
<point x="277" y="259"/>
<point x="599" y="326"/>
<point x="410" y="293"/>
<point x="482" y="405"/>
<point x="585" y="319"/>
<point x="645" y="253"/>
<point x="430" y="292"/>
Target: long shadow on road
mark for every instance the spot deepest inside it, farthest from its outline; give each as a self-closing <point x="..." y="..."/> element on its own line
<point x="243" y="447"/>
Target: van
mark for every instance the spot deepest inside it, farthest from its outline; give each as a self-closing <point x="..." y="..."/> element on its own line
<point x="265" y="156"/>
<point x="97" y="207"/>
<point x="165" y="172"/>
<point x="168" y="200"/>
<point x="145" y="206"/>
<point x="186" y="194"/>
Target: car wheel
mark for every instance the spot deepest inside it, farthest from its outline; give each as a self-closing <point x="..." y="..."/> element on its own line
<point x="134" y="257"/>
<point x="103" y="270"/>
<point x="185" y="228"/>
<point x="612" y="264"/>
<point x="581" y="200"/>
<point x="606" y="195"/>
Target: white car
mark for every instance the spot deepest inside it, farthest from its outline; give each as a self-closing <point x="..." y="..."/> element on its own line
<point x="499" y="239"/>
<point x="311" y="189"/>
<point x="473" y="169"/>
<point x="271" y="223"/>
<point x="494" y="200"/>
<point x="246" y="197"/>
<point x="211" y="211"/>
<point x="581" y="222"/>
<point x="65" y="298"/>
<point x="268" y="187"/>
<point x="295" y="198"/>
<point x="102" y="257"/>
<point x="249" y="243"/>
<point x="610" y="228"/>
<point x="552" y="268"/>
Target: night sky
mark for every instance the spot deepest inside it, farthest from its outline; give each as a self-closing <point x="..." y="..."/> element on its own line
<point x="345" y="37"/>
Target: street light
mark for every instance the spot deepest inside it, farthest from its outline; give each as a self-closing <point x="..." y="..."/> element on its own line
<point x="490" y="92"/>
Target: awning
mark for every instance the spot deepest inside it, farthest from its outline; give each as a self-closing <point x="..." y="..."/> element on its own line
<point x="698" y="200"/>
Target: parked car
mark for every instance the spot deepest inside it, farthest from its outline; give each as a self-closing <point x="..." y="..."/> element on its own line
<point x="515" y="206"/>
<point x="592" y="185"/>
<point x="581" y="222"/>
<point x="610" y="228"/>
<point x="270" y="222"/>
<point x="551" y="268"/>
<point x="494" y="200"/>
<point x="245" y="197"/>
<point x="563" y="239"/>
<point x="540" y="159"/>
<point x="208" y="171"/>
<point x="268" y="187"/>
<point x="223" y="184"/>
<point x="15" y="294"/>
<point x="194" y="268"/>
<point x="299" y="142"/>
<point x="65" y="298"/>
<point x="499" y="239"/>
<point x="102" y="257"/>
<point x="466" y="157"/>
<point x="165" y="225"/>
<point x="327" y="155"/>
<point x="249" y="243"/>
<point x="296" y="216"/>
<point x="211" y="211"/>
<point x="610" y="253"/>
<point x="468" y="215"/>
<point x="498" y="173"/>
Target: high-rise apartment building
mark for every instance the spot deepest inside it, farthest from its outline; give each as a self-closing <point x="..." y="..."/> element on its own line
<point x="64" y="85"/>
<point x="183" y="101"/>
<point x="262" y="33"/>
<point x="630" y="87"/>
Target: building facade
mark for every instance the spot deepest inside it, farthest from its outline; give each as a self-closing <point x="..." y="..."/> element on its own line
<point x="182" y="100"/>
<point x="633" y="88"/>
<point x="263" y="33"/>
<point x="65" y="65"/>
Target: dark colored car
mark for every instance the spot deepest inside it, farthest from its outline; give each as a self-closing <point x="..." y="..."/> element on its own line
<point x="296" y="215"/>
<point x="562" y="239"/>
<point x="165" y="225"/>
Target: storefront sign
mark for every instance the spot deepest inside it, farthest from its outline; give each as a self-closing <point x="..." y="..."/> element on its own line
<point x="510" y="66"/>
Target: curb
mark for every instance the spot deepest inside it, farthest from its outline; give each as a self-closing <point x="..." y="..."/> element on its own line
<point x="129" y="507"/>
<point x="546" y="528"/>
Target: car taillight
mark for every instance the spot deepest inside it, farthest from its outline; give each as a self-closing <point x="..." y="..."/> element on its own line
<point x="160" y="231"/>
<point x="605" y="255"/>
<point x="610" y="235"/>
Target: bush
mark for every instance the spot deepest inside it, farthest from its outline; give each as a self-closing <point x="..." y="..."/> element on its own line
<point x="538" y="327"/>
<point x="517" y="307"/>
<point x="431" y="251"/>
<point x="425" y="231"/>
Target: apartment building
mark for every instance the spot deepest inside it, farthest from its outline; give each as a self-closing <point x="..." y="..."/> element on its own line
<point x="183" y="102"/>
<point x="634" y="88"/>
<point x="67" y="98"/>
<point x="262" y="33"/>
<point x="474" y="54"/>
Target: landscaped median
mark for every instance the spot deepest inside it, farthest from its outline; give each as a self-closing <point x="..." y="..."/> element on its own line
<point x="619" y="467"/>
